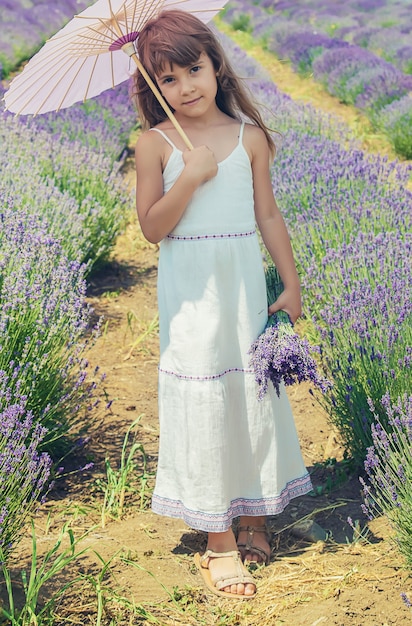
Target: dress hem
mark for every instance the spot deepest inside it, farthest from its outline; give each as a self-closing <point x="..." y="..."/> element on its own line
<point x="220" y="522"/>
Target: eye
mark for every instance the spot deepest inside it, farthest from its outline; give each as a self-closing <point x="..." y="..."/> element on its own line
<point x="195" y="69"/>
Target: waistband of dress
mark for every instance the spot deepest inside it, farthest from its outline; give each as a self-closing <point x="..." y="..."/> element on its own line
<point x="248" y="233"/>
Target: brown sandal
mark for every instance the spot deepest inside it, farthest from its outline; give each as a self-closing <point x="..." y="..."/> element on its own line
<point x="249" y="546"/>
<point x="238" y="574"/>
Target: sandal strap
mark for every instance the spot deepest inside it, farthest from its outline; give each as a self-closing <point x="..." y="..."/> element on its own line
<point x="249" y="545"/>
<point x="218" y="555"/>
<point x="255" y="550"/>
<point x="256" y="529"/>
<point x="251" y="530"/>
<point x="220" y="583"/>
<point x="241" y="575"/>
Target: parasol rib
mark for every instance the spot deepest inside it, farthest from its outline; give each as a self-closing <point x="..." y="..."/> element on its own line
<point x="90" y="78"/>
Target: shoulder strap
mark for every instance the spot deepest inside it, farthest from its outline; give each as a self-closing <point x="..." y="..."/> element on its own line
<point x="165" y="137"/>
<point x="242" y="128"/>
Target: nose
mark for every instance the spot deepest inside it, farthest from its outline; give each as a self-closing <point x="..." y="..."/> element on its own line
<point x="186" y="86"/>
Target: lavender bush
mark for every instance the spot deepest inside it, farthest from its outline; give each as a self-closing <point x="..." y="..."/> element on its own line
<point x="395" y="121"/>
<point x="80" y="192"/>
<point x="357" y="76"/>
<point x="102" y="124"/>
<point x="302" y="48"/>
<point x="43" y="324"/>
<point x="388" y="466"/>
<point x="365" y="329"/>
<point x="24" y="472"/>
<point x="62" y="203"/>
<point x="349" y="215"/>
<point x="383" y="26"/>
<point x="392" y="44"/>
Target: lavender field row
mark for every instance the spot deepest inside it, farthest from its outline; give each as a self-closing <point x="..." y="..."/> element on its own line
<point x="382" y="26"/>
<point x="349" y="214"/>
<point x="327" y="41"/>
<point x="63" y="202"/>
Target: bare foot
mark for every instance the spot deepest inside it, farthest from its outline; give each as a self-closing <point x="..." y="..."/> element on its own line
<point x="226" y="567"/>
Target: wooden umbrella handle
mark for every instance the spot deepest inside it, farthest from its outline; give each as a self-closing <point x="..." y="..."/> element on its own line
<point x="129" y="49"/>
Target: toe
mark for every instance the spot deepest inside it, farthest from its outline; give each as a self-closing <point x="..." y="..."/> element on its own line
<point x="249" y="590"/>
<point x="241" y="589"/>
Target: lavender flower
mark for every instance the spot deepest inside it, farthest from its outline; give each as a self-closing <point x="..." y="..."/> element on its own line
<point x="64" y="178"/>
<point x="302" y="48"/>
<point x="406" y="600"/>
<point x="395" y="120"/>
<point x="24" y="472"/>
<point x="279" y="355"/>
<point x="43" y="323"/>
<point x="388" y="468"/>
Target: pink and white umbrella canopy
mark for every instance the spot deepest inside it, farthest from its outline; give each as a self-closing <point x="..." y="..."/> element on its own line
<point x="86" y="57"/>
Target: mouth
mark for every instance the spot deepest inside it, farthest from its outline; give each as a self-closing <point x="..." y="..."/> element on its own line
<point x="190" y="103"/>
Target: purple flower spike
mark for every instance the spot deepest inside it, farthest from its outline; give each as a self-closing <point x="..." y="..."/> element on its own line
<point x="388" y="466"/>
<point x="279" y="355"/>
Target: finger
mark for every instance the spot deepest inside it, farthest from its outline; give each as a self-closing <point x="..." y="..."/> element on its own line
<point x="276" y="307"/>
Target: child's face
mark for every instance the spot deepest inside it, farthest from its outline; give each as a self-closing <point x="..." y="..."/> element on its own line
<point x="189" y="90"/>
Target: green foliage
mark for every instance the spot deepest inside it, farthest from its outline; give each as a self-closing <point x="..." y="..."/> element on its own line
<point x="6" y="66"/>
<point x="42" y="571"/>
<point x="130" y="479"/>
<point x="79" y="193"/>
<point x="145" y="329"/>
<point x="304" y="66"/>
<point x="333" y="474"/>
<point x="242" y="22"/>
<point x="407" y="69"/>
<point x="399" y="134"/>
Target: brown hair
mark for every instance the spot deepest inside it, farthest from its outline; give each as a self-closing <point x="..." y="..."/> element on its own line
<point x="178" y="37"/>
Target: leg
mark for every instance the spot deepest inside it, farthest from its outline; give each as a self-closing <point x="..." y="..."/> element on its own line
<point x="225" y="566"/>
<point x="253" y="540"/>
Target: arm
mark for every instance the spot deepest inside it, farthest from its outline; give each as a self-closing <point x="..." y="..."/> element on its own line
<point x="272" y="226"/>
<point x="159" y="213"/>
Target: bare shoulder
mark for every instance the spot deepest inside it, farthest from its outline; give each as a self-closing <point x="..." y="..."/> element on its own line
<point x="254" y="140"/>
<point x="149" y="140"/>
<point x="149" y="151"/>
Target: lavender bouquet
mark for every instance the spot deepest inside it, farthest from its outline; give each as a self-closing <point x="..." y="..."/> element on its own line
<point x="279" y="355"/>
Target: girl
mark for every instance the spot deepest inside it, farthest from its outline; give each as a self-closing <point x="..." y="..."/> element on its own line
<point x="223" y="454"/>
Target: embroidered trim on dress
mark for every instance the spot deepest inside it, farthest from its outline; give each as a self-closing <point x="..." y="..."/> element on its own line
<point x="218" y="236"/>
<point x="210" y="377"/>
<point x="220" y="522"/>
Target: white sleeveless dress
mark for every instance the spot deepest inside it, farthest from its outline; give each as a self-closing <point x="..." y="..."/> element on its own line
<point x="222" y="452"/>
